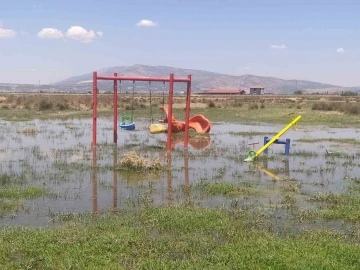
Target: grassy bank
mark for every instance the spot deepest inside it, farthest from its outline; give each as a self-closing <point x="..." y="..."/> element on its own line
<point x="173" y="238"/>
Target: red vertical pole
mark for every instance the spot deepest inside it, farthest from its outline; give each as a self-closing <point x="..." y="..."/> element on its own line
<point x="170" y="101"/>
<point x="187" y="113"/>
<point x="94" y="108"/>
<point x="115" y="109"/>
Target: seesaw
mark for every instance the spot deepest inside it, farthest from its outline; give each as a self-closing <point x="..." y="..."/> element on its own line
<point x="253" y="155"/>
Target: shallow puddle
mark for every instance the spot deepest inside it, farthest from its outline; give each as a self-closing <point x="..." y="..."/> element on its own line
<point x="57" y="156"/>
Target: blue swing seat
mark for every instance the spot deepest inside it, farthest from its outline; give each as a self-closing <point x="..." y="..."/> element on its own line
<point x="127" y="126"/>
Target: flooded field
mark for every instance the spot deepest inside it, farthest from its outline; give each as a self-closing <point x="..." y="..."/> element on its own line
<point x="47" y="172"/>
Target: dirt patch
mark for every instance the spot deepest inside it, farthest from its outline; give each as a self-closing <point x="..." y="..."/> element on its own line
<point x="332" y="112"/>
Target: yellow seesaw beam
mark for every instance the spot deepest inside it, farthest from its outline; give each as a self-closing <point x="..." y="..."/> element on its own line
<point x="253" y="155"/>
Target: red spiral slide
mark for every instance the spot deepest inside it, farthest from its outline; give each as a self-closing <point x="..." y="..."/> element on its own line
<point x="198" y="122"/>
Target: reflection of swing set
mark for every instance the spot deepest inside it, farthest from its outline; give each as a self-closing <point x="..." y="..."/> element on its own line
<point x="130" y="124"/>
<point x="116" y="197"/>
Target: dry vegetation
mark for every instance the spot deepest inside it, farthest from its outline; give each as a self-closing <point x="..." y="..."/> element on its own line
<point x="343" y="107"/>
<point x="216" y="107"/>
<point x="132" y="161"/>
<point x="64" y="102"/>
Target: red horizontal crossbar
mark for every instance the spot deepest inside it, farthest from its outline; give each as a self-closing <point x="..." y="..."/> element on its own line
<point x="144" y="79"/>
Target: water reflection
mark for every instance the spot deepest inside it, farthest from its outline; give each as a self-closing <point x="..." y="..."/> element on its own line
<point x="94" y="180"/>
<point x="186" y="176"/>
<point x="285" y="162"/>
<point x="198" y="142"/>
<point x="169" y="178"/>
<point x="272" y="172"/>
<point x="60" y="157"/>
<point x="137" y="178"/>
<point x="115" y="178"/>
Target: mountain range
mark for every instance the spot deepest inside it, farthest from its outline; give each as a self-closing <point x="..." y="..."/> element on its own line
<point x="201" y="80"/>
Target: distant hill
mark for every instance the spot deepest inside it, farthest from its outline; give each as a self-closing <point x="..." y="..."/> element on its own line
<point x="202" y="80"/>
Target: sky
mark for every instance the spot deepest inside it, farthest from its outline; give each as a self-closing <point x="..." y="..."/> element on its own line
<point x="47" y="41"/>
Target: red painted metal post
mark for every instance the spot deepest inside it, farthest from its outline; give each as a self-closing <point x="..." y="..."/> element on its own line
<point x="187" y="113"/>
<point x="94" y="108"/>
<point x="115" y="109"/>
<point x="170" y="104"/>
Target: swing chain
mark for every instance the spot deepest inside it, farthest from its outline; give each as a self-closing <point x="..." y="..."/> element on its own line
<point x="162" y="111"/>
<point x="132" y="102"/>
<point x="151" y="113"/>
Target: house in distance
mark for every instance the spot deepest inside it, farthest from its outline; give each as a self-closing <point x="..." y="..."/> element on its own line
<point x="256" y="90"/>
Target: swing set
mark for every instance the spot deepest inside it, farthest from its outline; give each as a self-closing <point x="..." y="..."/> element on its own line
<point x="128" y="121"/>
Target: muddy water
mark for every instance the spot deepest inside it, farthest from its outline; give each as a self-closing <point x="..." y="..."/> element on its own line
<point x="59" y="157"/>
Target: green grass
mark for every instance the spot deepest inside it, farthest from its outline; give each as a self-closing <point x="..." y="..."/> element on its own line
<point x="9" y="206"/>
<point x="273" y="113"/>
<point x="172" y="238"/>
<point x="251" y="133"/>
<point x="228" y="189"/>
<point x="29" y="192"/>
<point x="344" y="207"/>
<point x="12" y="197"/>
<point x="333" y="140"/>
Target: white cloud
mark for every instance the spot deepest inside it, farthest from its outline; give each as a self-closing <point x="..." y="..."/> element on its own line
<point x="50" y="33"/>
<point x="340" y="50"/>
<point x="6" y="33"/>
<point x="79" y="33"/>
<point x="278" y="47"/>
<point x="146" y="23"/>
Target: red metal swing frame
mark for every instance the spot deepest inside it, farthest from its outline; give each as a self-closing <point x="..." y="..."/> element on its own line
<point x="115" y="78"/>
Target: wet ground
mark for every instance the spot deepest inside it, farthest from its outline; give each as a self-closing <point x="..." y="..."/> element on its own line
<point x="57" y="155"/>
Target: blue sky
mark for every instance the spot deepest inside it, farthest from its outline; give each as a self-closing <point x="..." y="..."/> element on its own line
<point x="311" y="40"/>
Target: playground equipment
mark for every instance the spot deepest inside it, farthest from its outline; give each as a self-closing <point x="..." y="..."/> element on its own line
<point x="198" y="122"/>
<point x="115" y="78"/>
<point x="127" y="125"/>
<point x="253" y="144"/>
<point x="198" y="142"/>
<point x="286" y="142"/>
<point x="157" y="128"/>
<point x="253" y="155"/>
